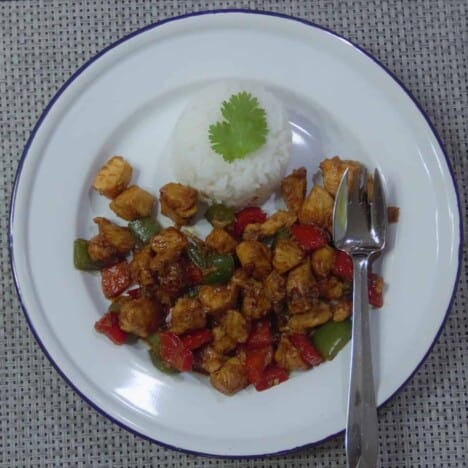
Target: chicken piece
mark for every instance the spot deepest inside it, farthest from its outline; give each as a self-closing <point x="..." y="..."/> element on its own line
<point x="99" y="250"/>
<point x="342" y="310"/>
<point x="287" y="255"/>
<point x="113" y="177"/>
<point x="140" y="316"/>
<point x="235" y="325"/>
<point x="376" y="283"/>
<point x="320" y="314"/>
<point x="317" y="208"/>
<point x="133" y="203"/>
<point x="333" y="170"/>
<point x="140" y="267"/>
<point x="287" y="355"/>
<point x="393" y="214"/>
<point x="186" y="315"/>
<point x="255" y="302"/>
<point x="255" y="258"/>
<point x="207" y="360"/>
<point x="222" y="342"/>
<point x="168" y="246"/>
<point x="241" y="278"/>
<point x="163" y="297"/>
<point x="178" y="202"/>
<point x="218" y="298"/>
<point x="111" y="243"/>
<point x="301" y="289"/>
<point x="293" y="188"/>
<point x="221" y="241"/>
<point x="172" y="278"/>
<point x="120" y="238"/>
<point x="241" y="353"/>
<point x="280" y="219"/>
<point x="332" y="288"/>
<point x="230" y="378"/>
<point x="275" y="289"/>
<point x="232" y="330"/>
<point x="322" y="261"/>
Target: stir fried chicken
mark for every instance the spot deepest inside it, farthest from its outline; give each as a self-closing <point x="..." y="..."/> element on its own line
<point x="333" y="170"/>
<point x="140" y="316"/>
<point x="221" y="241"/>
<point x="281" y="219"/>
<point x="287" y="255"/>
<point x="317" y="208"/>
<point x="111" y="243"/>
<point x="301" y="289"/>
<point x="246" y="303"/>
<point x="293" y="188"/>
<point x="168" y="246"/>
<point x="254" y="258"/>
<point x="187" y="314"/>
<point x="133" y="203"/>
<point x="218" y="298"/>
<point x="178" y="202"/>
<point x="113" y="177"/>
<point x="318" y="314"/>
<point x="230" y="378"/>
<point x="288" y="356"/>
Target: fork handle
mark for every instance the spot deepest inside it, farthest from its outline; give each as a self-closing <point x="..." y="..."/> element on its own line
<point x="361" y="430"/>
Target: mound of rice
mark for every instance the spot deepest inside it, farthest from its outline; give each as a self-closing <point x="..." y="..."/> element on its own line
<point x="248" y="181"/>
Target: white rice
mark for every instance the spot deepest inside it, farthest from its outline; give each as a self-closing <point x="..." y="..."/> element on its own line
<point x="247" y="181"/>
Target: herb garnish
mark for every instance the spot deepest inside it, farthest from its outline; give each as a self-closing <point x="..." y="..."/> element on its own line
<point x="243" y="129"/>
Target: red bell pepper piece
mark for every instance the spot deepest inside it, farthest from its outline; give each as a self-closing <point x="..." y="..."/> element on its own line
<point x="375" y="290"/>
<point x="108" y="324"/>
<point x="256" y="361"/>
<point x="273" y="375"/>
<point x="249" y="215"/>
<point x="134" y="293"/>
<point x="115" y="279"/>
<point x="193" y="274"/>
<point x="309" y="236"/>
<point x="196" y="339"/>
<point x="343" y="267"/>
<point x="307" y="351"/>
<point x="260" y="335"/>
<point x="174" y="352"/>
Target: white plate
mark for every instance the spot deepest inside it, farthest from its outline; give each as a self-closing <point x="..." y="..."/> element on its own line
<point x="126" y="101"/>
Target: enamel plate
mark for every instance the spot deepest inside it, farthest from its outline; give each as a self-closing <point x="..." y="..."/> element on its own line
<point x="126" y="101"/>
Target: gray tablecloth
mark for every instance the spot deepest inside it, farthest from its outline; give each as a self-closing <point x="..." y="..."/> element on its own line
<point x="43" y="422"/>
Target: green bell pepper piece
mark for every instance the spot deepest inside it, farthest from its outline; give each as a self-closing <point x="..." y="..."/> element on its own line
<point x="216" y="268"/>
<point x="271" y="241"/>
<point x="220" y="215"/>
<point x="282" y="233"/>
<point x="330" y="338"/>
<point x="220" y="268"/>
<point x="155" y="355"/>
<point x="81" y="258"/>
<point x="144" y="229"/>
<point x="197" y="255"/>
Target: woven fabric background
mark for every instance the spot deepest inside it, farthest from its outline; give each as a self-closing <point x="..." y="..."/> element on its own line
<point x="42" y="421"/>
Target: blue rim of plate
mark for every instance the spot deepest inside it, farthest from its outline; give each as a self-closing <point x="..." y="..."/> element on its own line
<point x="93" y="59"/>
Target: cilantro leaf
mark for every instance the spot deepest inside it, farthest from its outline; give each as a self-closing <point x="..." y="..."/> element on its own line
<point x="243" y="129"/>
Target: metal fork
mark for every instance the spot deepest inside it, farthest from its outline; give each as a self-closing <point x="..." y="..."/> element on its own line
<point x="359" y="229"/>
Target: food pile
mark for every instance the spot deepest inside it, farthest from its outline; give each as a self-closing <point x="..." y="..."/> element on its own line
<point x="232" y="143"/>
<point x="261" y="296"/>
